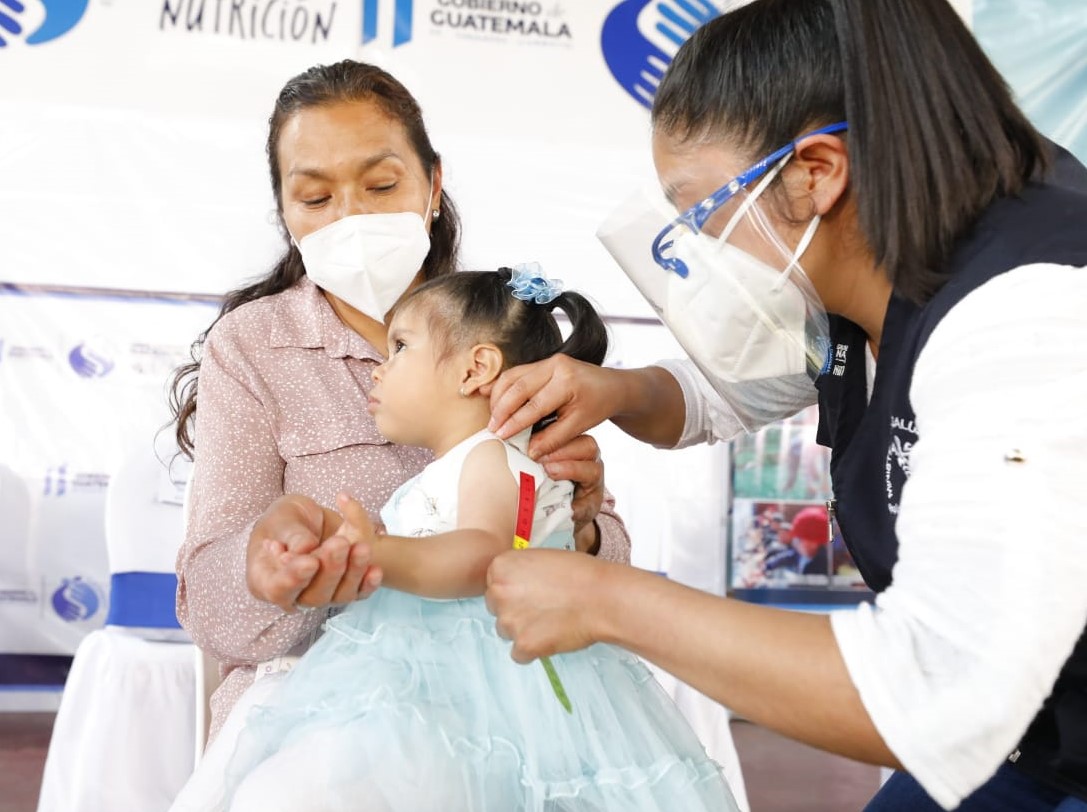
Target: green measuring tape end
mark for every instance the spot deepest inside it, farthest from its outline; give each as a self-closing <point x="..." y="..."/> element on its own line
<point x="556" y="684"/>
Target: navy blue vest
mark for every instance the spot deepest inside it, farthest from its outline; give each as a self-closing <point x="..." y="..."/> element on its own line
<point x="871" y="440"/>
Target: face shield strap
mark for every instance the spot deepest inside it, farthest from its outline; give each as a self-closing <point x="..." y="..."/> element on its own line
<point x="752" y="198"/>
<point x="749" y="202"/>
<point x="695" y="217"/>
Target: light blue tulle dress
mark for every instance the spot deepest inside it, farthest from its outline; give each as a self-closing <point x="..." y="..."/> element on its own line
<point x="414" y="705"/>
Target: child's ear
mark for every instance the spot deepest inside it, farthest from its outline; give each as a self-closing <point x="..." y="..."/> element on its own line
<point x="484" y="366"/>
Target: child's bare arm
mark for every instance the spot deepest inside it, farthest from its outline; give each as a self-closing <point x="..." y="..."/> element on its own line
<point x="453" y="564"/>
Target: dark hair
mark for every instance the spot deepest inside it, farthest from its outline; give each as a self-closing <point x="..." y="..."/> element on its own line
<point x="472" y="306"/>
<point x="934" y="135"/>
<point x="346" y="81"/>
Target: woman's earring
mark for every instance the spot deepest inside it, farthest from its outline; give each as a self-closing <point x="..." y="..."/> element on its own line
<point x="436" y="213"/>
<point x="463" y="393"/>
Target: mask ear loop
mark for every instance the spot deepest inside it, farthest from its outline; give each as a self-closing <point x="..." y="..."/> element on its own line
<point x="801" y="247"/>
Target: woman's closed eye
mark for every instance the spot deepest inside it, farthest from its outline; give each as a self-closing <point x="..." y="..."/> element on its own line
<point x="314" y="202"/>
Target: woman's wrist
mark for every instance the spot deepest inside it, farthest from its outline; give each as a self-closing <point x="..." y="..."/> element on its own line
<point x="587" y="538"/>
<point x="626" y="389"/>
<point x="649" y="405"/>
<point x="603" y="602"/>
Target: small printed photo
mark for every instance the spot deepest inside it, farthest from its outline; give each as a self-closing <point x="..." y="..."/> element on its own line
<point x="788" y="544"/>
<point x="783" y="461"/>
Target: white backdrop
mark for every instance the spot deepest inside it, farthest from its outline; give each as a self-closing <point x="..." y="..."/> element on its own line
<point x="132" y="159"/>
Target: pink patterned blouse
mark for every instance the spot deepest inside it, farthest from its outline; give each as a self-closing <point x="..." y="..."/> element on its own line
<point x="282" y="409"/>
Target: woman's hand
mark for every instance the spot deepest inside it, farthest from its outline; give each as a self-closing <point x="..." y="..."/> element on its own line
<point x="578" y="392"/>
<point x="647" y="403"/>
<point x="582" y="395"/>
<point x="579" y="461"/>
<point x="288" y="564"/>
<point x="545" y="601"/>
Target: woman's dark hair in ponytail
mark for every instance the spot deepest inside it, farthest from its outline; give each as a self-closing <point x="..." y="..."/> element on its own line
<point x="934" y="135"/>
<point x="345" y="81"/>
<point x="472" y="306"/>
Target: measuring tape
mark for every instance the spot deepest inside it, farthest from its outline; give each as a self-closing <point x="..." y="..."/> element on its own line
<point x="526" y="510"/>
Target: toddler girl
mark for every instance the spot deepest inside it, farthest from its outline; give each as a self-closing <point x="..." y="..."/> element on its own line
<point x="410" y="701"/>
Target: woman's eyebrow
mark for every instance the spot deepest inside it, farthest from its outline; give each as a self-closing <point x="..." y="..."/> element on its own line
<point x="672" y="190"/>
<point x="363" y="165"/>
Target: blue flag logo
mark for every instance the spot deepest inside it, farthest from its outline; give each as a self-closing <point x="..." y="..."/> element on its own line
<point x="61" y="16"/>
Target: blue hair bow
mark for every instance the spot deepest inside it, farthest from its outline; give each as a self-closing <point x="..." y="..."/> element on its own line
<point x="530" y="285"/>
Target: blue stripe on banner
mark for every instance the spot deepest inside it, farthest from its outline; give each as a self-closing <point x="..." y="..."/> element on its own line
<point x="369" y="21"/>
<point x="402" y="23"/>
<point x="143" y="599"/>
<point x="108" y="294"/>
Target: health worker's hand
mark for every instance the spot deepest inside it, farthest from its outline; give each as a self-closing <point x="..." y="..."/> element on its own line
<point x="545" y="601"/>
<point x="583" y="395"/>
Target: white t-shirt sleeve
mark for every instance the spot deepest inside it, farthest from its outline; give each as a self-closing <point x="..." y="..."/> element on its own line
<point x="709" y="419"/>
<point x="988" y="597"/>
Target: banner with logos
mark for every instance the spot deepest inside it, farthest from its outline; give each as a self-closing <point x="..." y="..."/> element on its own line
<point x="82" y="379"/>
<point x="132" y="158"/>
<point x="140" y="135"/>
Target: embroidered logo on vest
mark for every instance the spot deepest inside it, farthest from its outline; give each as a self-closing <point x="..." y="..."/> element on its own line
<point x="840" y="353"/>
<point x="897" y="465"/>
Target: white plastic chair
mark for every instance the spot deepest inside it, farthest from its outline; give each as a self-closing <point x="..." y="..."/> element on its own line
<point x="207" y="680"/>
<point x="123" y="736"/>
<point x="207" y="674"/>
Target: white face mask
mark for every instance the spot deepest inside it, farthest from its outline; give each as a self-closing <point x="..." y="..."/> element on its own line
<point x="756" y="331"/>
<point x="367" y="260"/>
<point x="741" y="318"/>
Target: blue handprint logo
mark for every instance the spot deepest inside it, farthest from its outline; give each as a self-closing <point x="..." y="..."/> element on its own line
<point x="639" y="42"/>
<point x="61" y="16"/>
<point x="679" y="19"/>
<point x="75" y="599"/>
<point x="8" y="22"/>
<point x="88" y="361"/>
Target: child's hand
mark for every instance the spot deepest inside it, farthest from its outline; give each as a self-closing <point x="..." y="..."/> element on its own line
<point x="357" y="526"/>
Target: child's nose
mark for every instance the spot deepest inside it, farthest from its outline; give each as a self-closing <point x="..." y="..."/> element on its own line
<point x="377" y="373"/>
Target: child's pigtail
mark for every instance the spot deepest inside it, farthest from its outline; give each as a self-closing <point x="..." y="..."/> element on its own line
<point x="588" y="339"/>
